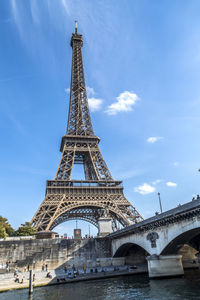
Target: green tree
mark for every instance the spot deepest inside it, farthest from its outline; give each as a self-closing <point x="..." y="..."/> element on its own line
<point x="3" y="233"/>
<point x="26" y="230"/>
<point x="8" y="228"/>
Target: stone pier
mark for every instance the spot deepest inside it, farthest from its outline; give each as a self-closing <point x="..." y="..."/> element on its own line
<point x="165" y="266"/>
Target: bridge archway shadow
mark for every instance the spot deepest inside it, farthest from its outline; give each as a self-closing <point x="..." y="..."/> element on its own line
<point x="133" y="254"/>
<point x="187" y="244"/>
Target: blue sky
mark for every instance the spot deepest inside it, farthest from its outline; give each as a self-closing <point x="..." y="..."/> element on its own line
<point x="142" y="69"/>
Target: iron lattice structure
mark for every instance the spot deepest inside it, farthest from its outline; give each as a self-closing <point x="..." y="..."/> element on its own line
<point x="68" y="199"/>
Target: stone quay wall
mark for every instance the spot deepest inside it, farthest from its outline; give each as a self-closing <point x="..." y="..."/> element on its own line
<point x="57" y="253"/>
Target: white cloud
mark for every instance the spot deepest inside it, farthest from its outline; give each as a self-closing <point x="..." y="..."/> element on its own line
<point x="154" y="139"/>
<point x="15" y="7"/>
<point x="35" y="11"/>
<point x="171" y="184"/>
<point x="95" y="104"/>
<point x="65" y="5"/>
<point x="145" y="189"/>
<point x="175" y="164"/>
<point x="67" y="90"/>
<point x="90" y="91"/>
<point x="125" y="102"/>
<point x="157" y="181"/>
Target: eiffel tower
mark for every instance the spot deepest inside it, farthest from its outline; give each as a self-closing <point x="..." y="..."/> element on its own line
<point x="99" y="194"/>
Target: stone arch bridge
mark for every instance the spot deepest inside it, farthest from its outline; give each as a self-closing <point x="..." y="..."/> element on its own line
<point x="160" y="238"/>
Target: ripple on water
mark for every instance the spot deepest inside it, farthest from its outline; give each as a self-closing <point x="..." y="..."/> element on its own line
<point x="129" y="287"/>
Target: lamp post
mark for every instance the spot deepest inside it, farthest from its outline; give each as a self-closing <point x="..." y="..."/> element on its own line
<point x="160" y="202"/>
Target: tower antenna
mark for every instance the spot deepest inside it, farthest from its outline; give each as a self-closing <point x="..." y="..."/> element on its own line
<point x="76" y="26"/>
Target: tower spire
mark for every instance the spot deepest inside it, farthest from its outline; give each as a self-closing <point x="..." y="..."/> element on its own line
<point x="76" y="26"/>
<point x="79" y="120"/>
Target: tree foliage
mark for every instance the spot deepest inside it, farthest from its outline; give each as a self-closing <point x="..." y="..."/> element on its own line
<point x="26" y="230"/>
<point x="3" y="233"/>
<point x="5" y="227"/>
<point x="7" y="230"/>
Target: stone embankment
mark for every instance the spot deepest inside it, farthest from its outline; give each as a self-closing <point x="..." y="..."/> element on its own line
<point x="7" y="281"/>
<point x="53" y="252"/>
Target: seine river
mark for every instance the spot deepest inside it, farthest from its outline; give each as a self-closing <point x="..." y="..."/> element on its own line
<point x="128" y="287"/>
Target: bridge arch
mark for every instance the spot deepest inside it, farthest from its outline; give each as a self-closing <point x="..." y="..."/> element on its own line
<point x="133" y="253"/>
<point x="182" y="232"/>
<point x="190" y="237"/>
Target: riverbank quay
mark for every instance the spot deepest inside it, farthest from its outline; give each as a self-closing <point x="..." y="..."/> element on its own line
<point x="7" y="281"/>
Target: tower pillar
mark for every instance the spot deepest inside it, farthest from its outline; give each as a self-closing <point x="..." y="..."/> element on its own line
<point x="104" y="226"/>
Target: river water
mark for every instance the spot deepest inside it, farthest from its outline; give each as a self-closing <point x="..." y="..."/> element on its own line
<point x="138" y="287"/>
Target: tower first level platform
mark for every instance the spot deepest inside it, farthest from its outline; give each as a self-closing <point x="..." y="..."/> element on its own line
<point x="86" y="200"/>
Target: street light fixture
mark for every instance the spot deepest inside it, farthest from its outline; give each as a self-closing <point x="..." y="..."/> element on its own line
<point x="160" y="202"/>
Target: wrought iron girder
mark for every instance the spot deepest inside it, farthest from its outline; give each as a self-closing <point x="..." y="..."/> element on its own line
<point x="89" y="214"/>
<point x="57" y="205"/>
<point x="66" y="164"/>
<point x="79" y="120"/>
<point x="89" y="154"/>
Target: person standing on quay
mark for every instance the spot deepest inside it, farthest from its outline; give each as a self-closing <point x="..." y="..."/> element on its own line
<point x="84" y="269"/>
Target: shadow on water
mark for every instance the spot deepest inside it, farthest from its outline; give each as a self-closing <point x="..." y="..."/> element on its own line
<point x="130" y="287"/>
